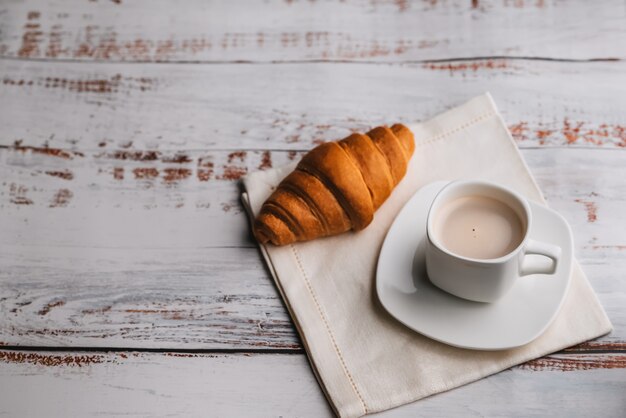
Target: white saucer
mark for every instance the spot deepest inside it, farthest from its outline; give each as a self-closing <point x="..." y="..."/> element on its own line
<point x="518" y="318"/>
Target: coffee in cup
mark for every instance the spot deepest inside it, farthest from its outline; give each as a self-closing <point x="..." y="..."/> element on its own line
<point x="478" y="227"/>
<point x="478" y="239"/>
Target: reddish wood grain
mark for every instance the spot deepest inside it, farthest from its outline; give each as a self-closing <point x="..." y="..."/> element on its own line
<point x="112" y="84"/>
<point x="569" y="132"/>
<point x="147" y="167"/>
<point x="48" y="359"/>
<point x="49" y="306"/>
<point x="17" y="194"/>
<point x="470" y="66"/>
<point x="103" y="42"/>
<point x="607" y="247"/>
<point x="366" y="30"/>
<point x="52" y="360"/>
<point x="616" y="346"/>
<point x="61" y="198"/>
<point x="591" y="208"/>
<point x="574" y="363"/>
<point x="62" y="174"/>
<point x="265" y="384"/>
<point x="131" y="111"/>
<point x="44" y="150"/>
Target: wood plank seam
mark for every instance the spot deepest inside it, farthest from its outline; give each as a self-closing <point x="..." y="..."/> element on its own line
<point x="73" y="358"/>
<point x="619" y="348"/>
<point x="322" y="61"/>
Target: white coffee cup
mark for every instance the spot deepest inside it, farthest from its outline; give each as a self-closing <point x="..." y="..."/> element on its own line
<point x="469" y="272"/>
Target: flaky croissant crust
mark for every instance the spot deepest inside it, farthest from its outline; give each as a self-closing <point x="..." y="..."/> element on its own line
<point x="337" y="186"/>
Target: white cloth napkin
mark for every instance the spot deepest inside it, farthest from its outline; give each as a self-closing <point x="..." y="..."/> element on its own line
<point x="365" y="360"/>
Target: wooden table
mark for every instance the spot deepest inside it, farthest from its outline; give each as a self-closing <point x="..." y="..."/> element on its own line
<point x="129" y="283"/>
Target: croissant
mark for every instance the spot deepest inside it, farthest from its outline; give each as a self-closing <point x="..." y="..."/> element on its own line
<point x="336" y="187"/>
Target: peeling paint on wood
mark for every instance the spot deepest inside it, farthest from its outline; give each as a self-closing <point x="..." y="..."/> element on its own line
<point x="269" y="379"/>
<point x="205" y="169"/>
<point x="61" y="198"/>
<point x="145" y="172"/>
<point x="51" y="360"/>
<point x="266" y="161"/>
<point x="62" y="174"/>
<point x="173" y="175"/>
<point x="574" y="363"/>
<point x="230" y="305"/>
<point x="232" y="172"/>
<point x="473" y="66"/>
<point x="608" y="247"/>
<point x="549" y="363"/>
<point x="167" y="165"/>
<point x="591" y="208"/>
<point x="228" y="207"/>
<point x="31" y="37"/>
<point x="17" y="195"/>
<point x="571" y="133"/>
<point x="617" y="346"/>
<point x="53" y="152"/>
<point x="178" y="158"/>
<point x="118" y="173"/>
<point x="112" y="84"/>
<point x="133" y="155"/>
<point x="147" y="169"/>
<point x="404" y="30"/>
<point x="49" y="306"/>
<point x="166" y="119"/>
<point x="98" y="43"/>
<point x="240" y="155"/>
<point x="97" y="311"/>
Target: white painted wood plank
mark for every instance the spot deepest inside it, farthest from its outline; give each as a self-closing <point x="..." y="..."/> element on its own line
<point x="195" y="298"/>
<point x="163" y="384"/>
<point x="101" y="209"/>
<point x="355" y="30"/>
<point x="144" y="262"/>
<point x="178" y="299"/>
<point x="178" y="107"/>
<point x="99" y="200"/>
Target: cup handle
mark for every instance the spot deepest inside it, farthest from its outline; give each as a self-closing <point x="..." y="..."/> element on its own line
<point x="551" y="251"/>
